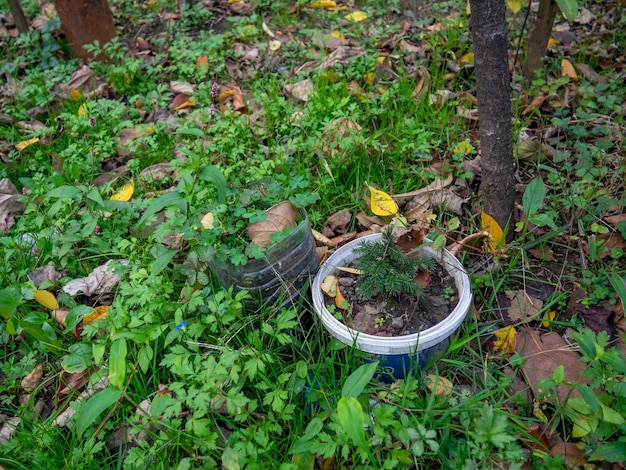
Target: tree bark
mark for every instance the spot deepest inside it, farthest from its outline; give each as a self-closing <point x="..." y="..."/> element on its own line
<point x="85" y="21"/>
<point x="18" y="16"/>
<point x="539" y="37"/>
<point x="493" y="91"/>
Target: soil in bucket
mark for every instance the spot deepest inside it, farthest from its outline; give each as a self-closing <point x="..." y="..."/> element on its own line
<point x="403" y="316"/>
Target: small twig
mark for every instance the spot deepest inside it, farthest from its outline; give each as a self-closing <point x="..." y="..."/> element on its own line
<point x="456" y="248"/>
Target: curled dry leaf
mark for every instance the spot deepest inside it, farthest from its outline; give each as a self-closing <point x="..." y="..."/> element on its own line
<point x="278" y="218"/>
<point x="84" y="84"/>
<point x="181" y="87"/>
<point x="45" y="273"/>
<point x="159" y="171"/>
<point x="10" y="207"/>
<point x="208" y="221"/>
<point x="340" y="301"/>
<point x="232" y="94"/>
<point x="440" y="386"/>
<point x="323" y="239"/>
<point x="349" y="270"/>
<point x="101" y="281"/>
<point x="329" y="285"/>
<point x="33" y="379"/>
<point x="300" y="90"/>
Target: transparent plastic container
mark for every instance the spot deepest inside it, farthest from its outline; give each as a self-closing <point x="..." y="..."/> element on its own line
<point x="280" y="275"/>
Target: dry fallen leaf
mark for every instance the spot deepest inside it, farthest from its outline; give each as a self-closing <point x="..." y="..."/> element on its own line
<point x="46" y="299"/>
<point x="124" y="194"/>
<point x="300" y="90"/>
<point x="10" y="207"/>
<point x="567" y="70"/>
<point x="99" y="313"/>
<point x="101" y="281"/>
<point x="543" y="354"/>
<point x="381" y="203"/>
<point x="231" y="93"/>
<point x="26" y="143"/>
<point x="523" y="306"/>
<point x="504" y="344"/>
<point x="496" y="234"/>
<point x="340" y="301"/>
<point x="440" y="386"/>
<point x="33" y="379"/>
<point x="278" y="218"/>
<point x="184" y="88"/>
<point x="329" y="285"/>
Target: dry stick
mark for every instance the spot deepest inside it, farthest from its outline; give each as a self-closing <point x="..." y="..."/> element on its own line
<point x="119" y="400"/>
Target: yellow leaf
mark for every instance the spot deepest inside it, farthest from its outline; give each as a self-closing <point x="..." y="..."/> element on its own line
<point x="82" y="110"/>
<point x="547" y="318"/>
<point x="381" y="203"/>
<point x="467" y="59"/>
<point x="567" y="70"/>
<point x="553" y="42"/>
<point x="99" y="313"/>
<point x="504" y="343"/>
<point x="514" y="5"/>
<point x="125" y="193"/>
<point x="208" y="221"/>
<point x="26" y="143"/>
<point x="337" y="35"/>
<point x="356" y="16"/>
<point x="323" y="4"/>
<point x="46" y="299"/>
<point x="369" y="78"/>
<point x="496" y="235"/>
<point x="329" y="285"/>
<point x="76" y="94"/>
<point x="340" y="300"/>
<point x="441" y="386"/>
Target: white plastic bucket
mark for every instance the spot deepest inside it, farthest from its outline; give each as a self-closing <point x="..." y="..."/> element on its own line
<point x="398" y="353"/>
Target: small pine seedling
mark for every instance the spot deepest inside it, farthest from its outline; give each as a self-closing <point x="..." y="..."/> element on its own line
<point x="387" y="270"/>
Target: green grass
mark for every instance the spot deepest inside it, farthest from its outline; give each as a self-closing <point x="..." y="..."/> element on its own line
<point x="220" y="384"/>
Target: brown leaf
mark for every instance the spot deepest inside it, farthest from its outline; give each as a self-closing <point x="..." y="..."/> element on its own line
<point x="232" y="94"/>
<point x="157" y="172"/>
<point x="179" y="102"/>
<point x="338" y="222"/>
<point x="10" y="207"/>
<point x="300" y="90"/>
<point x="85" y="83"/>
<point x="278" y="218"/>
<point x="543" y="354"/>
<point x="367" y="220"/>
<point x="45" y="273"/>
<point x="523" y="306"/>
<point x="33" y="379"/>
<point x="615" y="219"/>
<point x="184" y="88"/>
<point x="341" y="55"/>
<point x="611" y="240"/>
<point x="574" y="456"/>
<point x="241" y="8"/>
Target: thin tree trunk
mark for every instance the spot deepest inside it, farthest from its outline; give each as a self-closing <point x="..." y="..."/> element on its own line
<point x="493" y="91"/>
<point x="18" y="16"/>
<point x="85" y="21"/>
<point x="539" y="37"/>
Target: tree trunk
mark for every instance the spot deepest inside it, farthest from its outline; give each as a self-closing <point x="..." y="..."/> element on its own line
<point x="539" y="37"/>
<point x="18" y="16"/>
<point x="493" y="91"/>
<point x="85" y="21"/>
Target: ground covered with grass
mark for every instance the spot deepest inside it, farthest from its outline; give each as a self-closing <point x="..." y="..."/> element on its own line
<point x="121" y="180"/>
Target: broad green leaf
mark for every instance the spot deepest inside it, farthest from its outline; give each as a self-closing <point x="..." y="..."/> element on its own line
<point x="169" y="199"/>
<point x="78" y="359"/>
<point x="144" y="357"/>
<point x="95" y="406"/>
<point x="65" y="192"/>
<point x="117" y="363"/>
<point x="590" y="398"/>
<point x="9" y="300"/>
<point x="313" y="428"/>
<point x="358" y="380"/>
<point x="533" y="196"/>
<point x="496" y="234"/>
<point x="213" y="174"/>
<point x="611" y="416"/>
<point x="95" y="196"/>
<point x="542" y="220"/>
<point x="619" y="284"/>
<point x="162" y="260"/>
<point x="193" y="132"/>
<point x="614" y="452"/>
<point x="569" y="8"/>
<point x="351" y="418"/>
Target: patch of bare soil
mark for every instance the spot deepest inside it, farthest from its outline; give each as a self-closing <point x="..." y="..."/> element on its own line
<point x="405" y="316"/>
